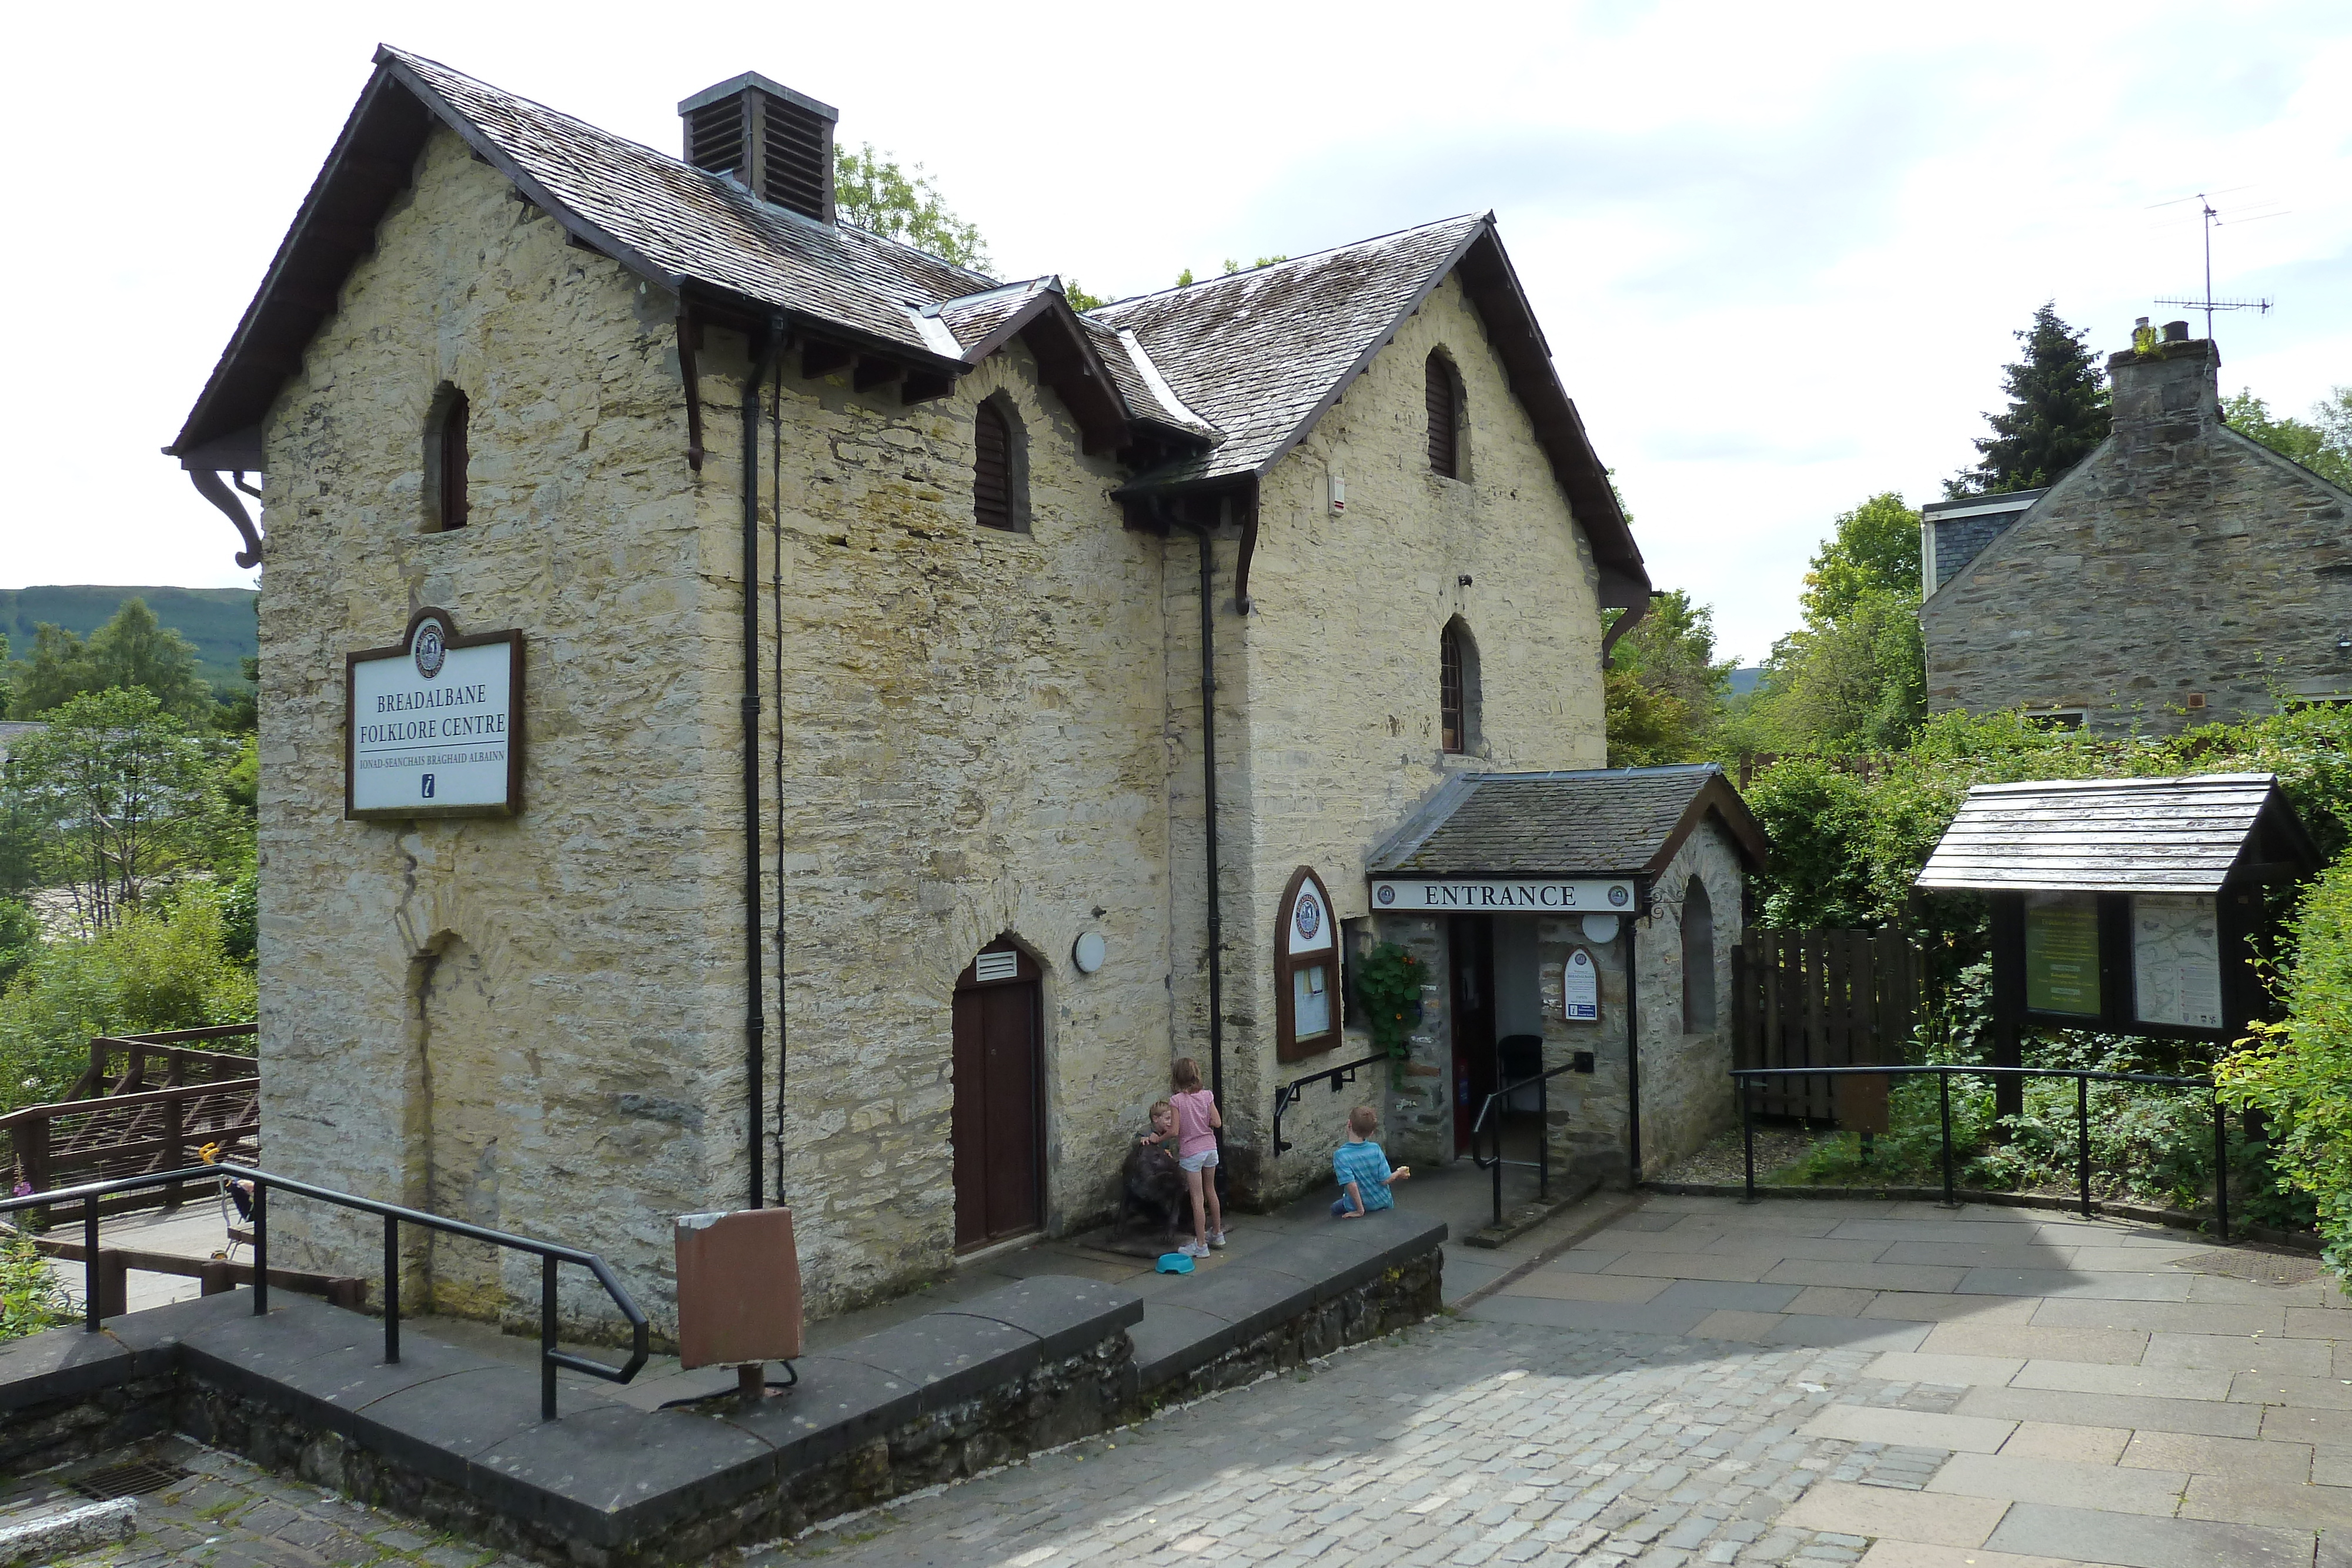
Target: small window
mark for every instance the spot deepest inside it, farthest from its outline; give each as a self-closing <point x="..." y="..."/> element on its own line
<point x="1308" y="1012"/>
<point x="1458" y="688"/>
<point x="1444" y="419"/>
<point x="999" y="469"/>
<point x="1699" y="959"/>
<point x="2057" y="718"/>
<point x="445" y="456"/>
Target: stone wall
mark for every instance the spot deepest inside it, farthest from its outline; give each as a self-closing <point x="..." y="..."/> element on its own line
<point x="2179" y="558"/>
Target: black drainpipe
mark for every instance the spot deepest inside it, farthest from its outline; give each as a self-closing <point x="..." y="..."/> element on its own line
<point x="1203" y="535"/>
<point x="1633" y="1036"/>
<point x="762" y="350"/>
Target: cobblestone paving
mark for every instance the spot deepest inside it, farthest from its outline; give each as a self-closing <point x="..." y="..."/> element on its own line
<point x="230" y="1514"/>
<point x="1461" y="1442"/>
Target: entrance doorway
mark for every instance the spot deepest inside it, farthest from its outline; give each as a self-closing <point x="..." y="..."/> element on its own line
<point x="998" y="1125"/>
<point x="1470" y="942"/>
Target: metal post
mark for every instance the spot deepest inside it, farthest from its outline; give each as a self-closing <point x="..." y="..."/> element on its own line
<point x="1543" y="1139"/>
<point x="391" y="1291"/>
<point x="546" y="1339"/>
<point x="2221" y="1164"/>
<point x="90" y="1314"/>
<point x="2083" y="1138"/>
<point x="260" y="1247"/>
<point x="1746" y="1133"/>
<point x="1488" y="1109"/>
<point x="1944" y="1083"/>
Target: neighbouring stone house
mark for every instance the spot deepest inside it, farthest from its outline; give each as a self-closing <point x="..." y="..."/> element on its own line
<point x="854" y="852"/>
<point x="2181" y="574"/>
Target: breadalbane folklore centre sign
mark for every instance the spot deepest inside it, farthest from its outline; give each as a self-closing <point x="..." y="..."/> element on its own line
<point x="433" y="726"/>
<point x="1478" y="896"/>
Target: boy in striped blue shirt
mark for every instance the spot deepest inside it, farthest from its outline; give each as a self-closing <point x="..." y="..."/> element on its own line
<point x="1362" y="1169"/>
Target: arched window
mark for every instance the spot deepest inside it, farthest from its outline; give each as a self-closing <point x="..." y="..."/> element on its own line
<point x="1445" y="418"/>
<point x="1699" y="959"/>
<point x="445" y="461"/>
<point x="999" y="469"/>
<point x="1458" y="688"/>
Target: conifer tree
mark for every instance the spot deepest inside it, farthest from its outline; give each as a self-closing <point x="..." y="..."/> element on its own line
<point x="2057" y="412"/>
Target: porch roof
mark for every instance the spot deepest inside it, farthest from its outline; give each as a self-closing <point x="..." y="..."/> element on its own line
<point x="1614" y="822"/>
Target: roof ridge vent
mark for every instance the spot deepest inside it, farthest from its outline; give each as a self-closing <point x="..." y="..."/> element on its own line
<point x="777" y="142"/>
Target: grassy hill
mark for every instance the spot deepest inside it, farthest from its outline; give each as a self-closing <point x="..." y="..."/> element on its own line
<point x="218" y="621"/>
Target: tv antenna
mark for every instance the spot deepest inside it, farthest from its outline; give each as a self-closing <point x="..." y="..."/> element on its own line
<point x="2209" y="304"/>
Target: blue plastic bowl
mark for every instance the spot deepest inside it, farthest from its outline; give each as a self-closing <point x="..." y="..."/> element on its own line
<point x="1174" y="1263"/>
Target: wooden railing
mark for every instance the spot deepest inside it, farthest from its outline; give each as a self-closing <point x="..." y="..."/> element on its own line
<point x="168" y="1102"/>
<point x="1823" y="998"/>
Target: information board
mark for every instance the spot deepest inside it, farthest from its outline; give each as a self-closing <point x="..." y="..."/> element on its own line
<point x="2062" y="953"/>
<point x="2176" y="960"/>
<point x="433" y="727"/>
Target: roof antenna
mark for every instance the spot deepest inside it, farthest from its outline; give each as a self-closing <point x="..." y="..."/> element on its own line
<point x="2209" y="304"/>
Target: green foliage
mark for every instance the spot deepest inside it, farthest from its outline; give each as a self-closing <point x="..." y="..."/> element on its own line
<point x="2057" y="412"/>
<point x="1664" y="692"/>
<point x="158" y="969"/>
<point x="2323" y="445"/>
<point x="20" y="938"/>
<point x="30" y="1297"/>
<point x="133" y="649"/>
<point x="1388" y="984"/>
<point x="1871" y="549"/>
<point x="871" y="191"/>
<point x="1184" y="279"/>
<point x="1853" y="677"/>
<point x="2297" y="1071"/>
<point x="220" y="622"/>
<point x="1080" y="300"/>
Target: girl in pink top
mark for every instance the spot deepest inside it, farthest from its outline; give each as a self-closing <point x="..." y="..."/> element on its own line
<point x="1196" y="1154"/>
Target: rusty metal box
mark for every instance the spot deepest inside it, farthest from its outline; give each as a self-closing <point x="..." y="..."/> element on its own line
<point x="739" y="1288"/>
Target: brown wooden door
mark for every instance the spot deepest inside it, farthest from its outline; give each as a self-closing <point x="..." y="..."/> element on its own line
<point x="998" y="1123"/>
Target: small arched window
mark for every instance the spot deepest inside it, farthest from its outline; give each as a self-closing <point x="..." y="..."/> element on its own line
<point x="446" y="457"/>
<point x="1458" y="688"/>
<point x="1699" y="959"/>
<point x="999" y="469"/>
<point x="1445" y="418"/>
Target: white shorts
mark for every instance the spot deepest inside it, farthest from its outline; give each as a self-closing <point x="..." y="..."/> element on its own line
<point x="1205" y="1160"/>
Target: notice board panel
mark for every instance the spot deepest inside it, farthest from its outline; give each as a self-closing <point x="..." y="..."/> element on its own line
<point x="2176" y="960"/>
<point x="2062" y="954"/>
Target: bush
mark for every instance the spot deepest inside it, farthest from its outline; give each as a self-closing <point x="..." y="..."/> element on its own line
<point x="20" y="938"/>
<point x="159" y="969"/>
<point x="30" y="1299"/>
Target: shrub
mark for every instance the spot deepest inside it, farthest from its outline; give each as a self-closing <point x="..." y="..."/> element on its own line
<point x="30" y="1299"/>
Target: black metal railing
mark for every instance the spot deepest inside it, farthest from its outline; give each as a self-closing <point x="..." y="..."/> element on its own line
<point x="1745" y="1077"/>
<point x="1341" y="1076"/>
<point x="549" y="1253"/>
<point x="1489" y="1112"/>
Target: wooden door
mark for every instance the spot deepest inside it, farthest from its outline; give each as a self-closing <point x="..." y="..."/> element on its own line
<point x="998" y="1123"/>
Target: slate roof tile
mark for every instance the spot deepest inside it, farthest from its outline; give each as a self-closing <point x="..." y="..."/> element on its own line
<point x="2103" y="835"/>
<point x="1616" y="822"/>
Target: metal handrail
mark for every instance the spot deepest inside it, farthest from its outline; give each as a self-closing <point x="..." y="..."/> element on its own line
<point x="1542" y="1162"/>
<point x="1290" y="1093"/>
<point x="2083" y="1078"/>
<point x="549" y="1253"/>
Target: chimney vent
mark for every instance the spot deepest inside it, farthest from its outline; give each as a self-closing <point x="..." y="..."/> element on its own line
<point x="777" y="142"/>
<point x="2176" y="331"/>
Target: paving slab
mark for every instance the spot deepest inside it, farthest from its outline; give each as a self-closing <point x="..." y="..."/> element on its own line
<point x="2164" y="1317"/>
<point x="2268" y="1388"/>
<point x="1600" y="1317"/>
<point x="1952" y="1371"/>
<point x="2316" y="1323"/>
<point x="1718" y="1294"/>
<point x="2251" y="1458"/>
<point x="1797" y="1328"/>
<point x="2101" y="1378"/>
<point x="1986" y="1255"/>
<point x="1938" y="1520"/>
<point x="2240" y="1353"/>
<point x="2096" y="1535"/>
<point x="1555" y="1285"/>
<point x="2066" y="1283"/>
<point x="1832" y="1301"/>
<point x="1937" y="1307"/>
<point x="1863" y="1275"/>
<point x="2331" y="1464"/>
<point x="1909" y="1428"/>
<point x="2294" y="1424"/>
<point x="2209" y="1417"/>
<point x="2029" y="1342"/>
<point x="2064" y="1483"/>
<point x="2248" y="1500"/>
<point x="1690" y="1266"/>
<point x="2075" y="1445"/>
<point x="1887" y="1553"/>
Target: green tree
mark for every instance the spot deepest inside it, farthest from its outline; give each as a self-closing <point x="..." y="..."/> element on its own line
<point x="2057" y="412"/>
<point x="1873" y="549"/>
<point x="1664" y="691"/>
<point x="873" y="192"/>
<point x="1853" y="676"/>
<point x="123" y="795"/>
<point x="132" y="650"/>
<point x="2323" y="445"/>
<point x="1080" y="299"/>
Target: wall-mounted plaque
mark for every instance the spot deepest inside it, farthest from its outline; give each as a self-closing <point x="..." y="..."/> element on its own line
<point x="433" y="727"/>
<point x="1579" y="992"/>
<point x="2176" y="960"/>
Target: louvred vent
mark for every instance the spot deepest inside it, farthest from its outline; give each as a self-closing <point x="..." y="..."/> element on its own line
<point x="778" y="143"/>
<point x="1444" y="420"/>
<point x="992" y="469"/>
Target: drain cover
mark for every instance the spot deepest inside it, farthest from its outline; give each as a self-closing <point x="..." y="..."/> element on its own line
<point x="134" y="1480"/>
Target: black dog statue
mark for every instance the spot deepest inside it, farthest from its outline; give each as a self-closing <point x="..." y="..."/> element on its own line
<point x="1153" y="1188"/>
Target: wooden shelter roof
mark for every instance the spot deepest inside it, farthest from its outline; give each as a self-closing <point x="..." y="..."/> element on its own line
<point x="2187" y="835"/>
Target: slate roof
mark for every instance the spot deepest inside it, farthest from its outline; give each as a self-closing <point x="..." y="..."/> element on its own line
<point x="1617" y="821"/>
<point x="2113" y="835"/>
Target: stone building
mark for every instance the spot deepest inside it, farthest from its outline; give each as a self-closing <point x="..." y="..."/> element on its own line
<point x="852" y="851"/>
<point x="2181" y="574"/>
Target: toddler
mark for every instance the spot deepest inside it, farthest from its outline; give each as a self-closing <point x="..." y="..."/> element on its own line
<point x="1196" y="1154"/>
<point x="1362" y="1169"/>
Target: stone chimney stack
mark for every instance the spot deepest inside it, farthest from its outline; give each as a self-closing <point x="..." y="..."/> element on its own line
<point x="2166" y="391"/>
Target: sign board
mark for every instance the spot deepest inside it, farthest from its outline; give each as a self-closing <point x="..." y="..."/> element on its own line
<point x="2062" y="953"/>
<point x="1481" y="895"/>
<point x="433" y="727"/>
<point x="1580" y="988"/>
<point x="2176" y="960"/>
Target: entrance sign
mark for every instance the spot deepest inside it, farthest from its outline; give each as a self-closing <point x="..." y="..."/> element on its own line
<point x="2062" y="953"/>
<point x="2176" y="960"/>
<point x="433" y="727"/>
<point x="1480" y="895"/>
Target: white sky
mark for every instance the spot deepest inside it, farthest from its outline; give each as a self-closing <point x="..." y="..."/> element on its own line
<point x="1779" y="249"/>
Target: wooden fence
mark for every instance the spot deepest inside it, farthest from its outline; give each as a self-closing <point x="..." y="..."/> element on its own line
<point x="168" y="1102"/>
<point x="1824" y="998"/>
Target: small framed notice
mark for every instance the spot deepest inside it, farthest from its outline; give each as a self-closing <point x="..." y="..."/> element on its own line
<point x="2176" y="960"/>
<point x="433" y="727"/>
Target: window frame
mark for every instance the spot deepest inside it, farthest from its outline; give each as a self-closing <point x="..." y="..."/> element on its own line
<point x="996" y="405"/>
<point x="447" y="487"/>
<point x="1459" y="689"/>
<point x="1703" y="974"/>
<point x="1289" y="965"/>
<point x="1439" y="370"/>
